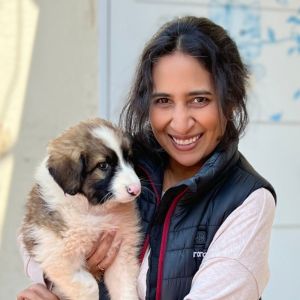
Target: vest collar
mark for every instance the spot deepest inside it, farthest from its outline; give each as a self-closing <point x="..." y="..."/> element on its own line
<point x="219" y="162"/>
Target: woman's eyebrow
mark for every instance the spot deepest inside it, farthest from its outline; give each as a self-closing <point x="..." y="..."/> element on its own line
<point x="200" y="92"/>
<point x="155" y="95"/>
<point x="193" y="93"/>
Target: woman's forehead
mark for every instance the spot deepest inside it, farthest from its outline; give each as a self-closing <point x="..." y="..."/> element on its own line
<point x="181" y="71"/>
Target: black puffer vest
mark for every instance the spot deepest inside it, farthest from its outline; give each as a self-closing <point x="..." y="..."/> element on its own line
<point x="180" y="226"/>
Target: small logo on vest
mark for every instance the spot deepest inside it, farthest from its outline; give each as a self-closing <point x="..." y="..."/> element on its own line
<point x="199" y="254"/>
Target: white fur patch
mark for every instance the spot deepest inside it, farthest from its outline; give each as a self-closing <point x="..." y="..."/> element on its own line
<point x="122" y="179"/>
<point x="109" y="138"/>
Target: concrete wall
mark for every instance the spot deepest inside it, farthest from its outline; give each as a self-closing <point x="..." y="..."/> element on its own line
<point x="49" y="80"/>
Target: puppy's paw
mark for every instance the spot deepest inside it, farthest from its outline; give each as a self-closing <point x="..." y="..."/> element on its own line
<point x="88" y="286"/>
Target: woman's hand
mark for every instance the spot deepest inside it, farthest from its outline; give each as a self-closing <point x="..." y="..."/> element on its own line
<point x="36" y="292"/>
<point x="103" y="253"/>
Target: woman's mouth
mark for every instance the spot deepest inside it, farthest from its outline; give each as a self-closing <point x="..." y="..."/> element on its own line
<point x="187" y="143"/>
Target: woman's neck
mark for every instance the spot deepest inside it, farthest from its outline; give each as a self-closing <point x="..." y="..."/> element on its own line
<point x="174" y="173"/>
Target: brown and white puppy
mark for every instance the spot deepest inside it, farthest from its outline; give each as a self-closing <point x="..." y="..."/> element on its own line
<point x="84" y="187"/>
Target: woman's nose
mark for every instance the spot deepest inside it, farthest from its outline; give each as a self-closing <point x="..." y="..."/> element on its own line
<point x="182" y="121"/>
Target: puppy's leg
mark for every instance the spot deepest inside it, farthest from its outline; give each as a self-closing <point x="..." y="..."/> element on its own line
<point x="121" y="277"/>
<point x="74" y="285"/>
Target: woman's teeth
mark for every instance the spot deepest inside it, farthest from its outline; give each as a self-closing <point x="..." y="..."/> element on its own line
<point x="186" y="141"/>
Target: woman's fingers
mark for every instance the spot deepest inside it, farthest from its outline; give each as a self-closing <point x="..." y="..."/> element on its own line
<point x="106" y="250"/>
<point x="102" y="248"/>
<point x="110" y="256"/>
<point x="36" y="292"/>
<point x="95" y="246"/>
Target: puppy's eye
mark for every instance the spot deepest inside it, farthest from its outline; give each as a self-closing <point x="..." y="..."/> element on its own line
<point x="103" y="166"/>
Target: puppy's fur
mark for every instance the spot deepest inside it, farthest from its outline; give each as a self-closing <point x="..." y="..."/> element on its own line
<point x="84" y="187"/>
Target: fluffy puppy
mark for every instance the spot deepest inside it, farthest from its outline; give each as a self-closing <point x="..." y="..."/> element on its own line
<point x="85" y="186"/>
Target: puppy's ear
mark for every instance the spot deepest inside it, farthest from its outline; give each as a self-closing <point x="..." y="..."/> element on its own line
<point x="67" y="171"/>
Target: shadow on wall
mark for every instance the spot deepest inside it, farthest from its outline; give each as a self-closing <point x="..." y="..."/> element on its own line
<point x="61" y="88"/>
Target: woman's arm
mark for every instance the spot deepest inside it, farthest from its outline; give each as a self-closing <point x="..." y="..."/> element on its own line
<point x="236" y="263"/>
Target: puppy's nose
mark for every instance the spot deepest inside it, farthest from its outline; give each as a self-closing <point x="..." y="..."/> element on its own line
<point x="134" y="189"/>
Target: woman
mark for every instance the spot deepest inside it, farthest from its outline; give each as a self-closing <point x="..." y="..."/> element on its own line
<point x="206" y="213"/>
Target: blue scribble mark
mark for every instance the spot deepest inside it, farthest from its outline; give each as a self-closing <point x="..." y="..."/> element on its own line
<point x="296" y="95"/>
<point x="294" y="20"/>
<point x="295" y="34"/>
<point x="276" y="117"/>
<point x="291" y="50"/>
<point x="296" y="48"/>
<point x="244" y="24"/>
<point x="271" y="35"/>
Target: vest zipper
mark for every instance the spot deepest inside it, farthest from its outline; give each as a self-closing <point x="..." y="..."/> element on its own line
<point x="164" y="239"/>
<point x="157" y="196"/>
<point x="163" y="244"/>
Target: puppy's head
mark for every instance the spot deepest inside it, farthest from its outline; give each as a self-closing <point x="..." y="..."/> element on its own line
<point x="93" y="158"/>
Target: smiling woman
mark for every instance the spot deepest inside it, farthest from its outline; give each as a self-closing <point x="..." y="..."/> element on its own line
<point x="186" y="112"/>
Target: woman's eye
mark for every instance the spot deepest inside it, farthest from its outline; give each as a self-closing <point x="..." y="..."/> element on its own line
<point x="162" y="100"/>
<point x="200" y="100"/>
<point x="103" y="166"/>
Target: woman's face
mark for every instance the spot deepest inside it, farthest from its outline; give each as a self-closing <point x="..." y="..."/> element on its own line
<point x="184" y="113"/>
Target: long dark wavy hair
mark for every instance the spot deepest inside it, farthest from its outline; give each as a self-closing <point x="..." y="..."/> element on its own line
<point x="211" y="45"/>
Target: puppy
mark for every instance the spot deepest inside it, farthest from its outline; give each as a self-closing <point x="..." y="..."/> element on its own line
<point x="85" y="186"/>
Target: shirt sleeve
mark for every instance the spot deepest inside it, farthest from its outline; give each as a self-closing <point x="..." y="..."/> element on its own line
<point x="31" y="268"/>
<point x="236" y="264"/>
